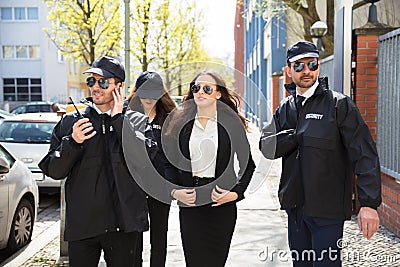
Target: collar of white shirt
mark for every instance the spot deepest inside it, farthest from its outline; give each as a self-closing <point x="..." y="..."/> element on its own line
<point x="307" y="94"/>
<point x="108" y="112"/>
<point x="198" y="124"/>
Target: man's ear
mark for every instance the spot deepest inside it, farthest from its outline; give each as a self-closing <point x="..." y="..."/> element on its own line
<point x="288" y="71"/>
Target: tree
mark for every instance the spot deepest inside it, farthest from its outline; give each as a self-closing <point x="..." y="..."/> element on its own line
<point x="141" y="27"/>
<point x="178" y="41"/>
<point x="85" y="29"/>
<point x="307" y="10"/>
<point x="165" y="36"/>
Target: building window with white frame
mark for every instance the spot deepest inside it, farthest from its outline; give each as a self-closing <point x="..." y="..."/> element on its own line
<point x="19" y="13"/>
<point x="21" y="52"/>
<point x="22" y="89"/>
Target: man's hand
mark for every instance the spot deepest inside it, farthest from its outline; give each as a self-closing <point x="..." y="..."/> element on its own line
<point x="118" y="104"/>
<point x="186" y="196"/>
<point x="368" y="221"/>
<point x="221" y="196"/>
<point x="80" y="129"/>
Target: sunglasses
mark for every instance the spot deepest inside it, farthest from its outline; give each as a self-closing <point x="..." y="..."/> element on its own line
<point x="299" y="66"/>
<point x="206" y="88"/>
<point x="103" y="83"/>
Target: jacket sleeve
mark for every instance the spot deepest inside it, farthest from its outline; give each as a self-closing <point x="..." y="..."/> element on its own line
<point x="276" y="141"/>
<point x="63" y="152"/>
<point x="246" y="163"/>
<point x="133" y="138"/>
<point x="362" y="151"/>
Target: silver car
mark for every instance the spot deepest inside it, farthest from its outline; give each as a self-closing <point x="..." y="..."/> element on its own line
<point x="27" y="136"/>
<point x="19" y="199"/>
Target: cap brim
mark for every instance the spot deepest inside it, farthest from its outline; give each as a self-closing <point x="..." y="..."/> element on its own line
<point x="147" y="93"/>
<point x="311" y="54"/>
<point x="101" y="72"/>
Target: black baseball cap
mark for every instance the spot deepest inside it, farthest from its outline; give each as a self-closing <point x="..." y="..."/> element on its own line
<point x="301" y="50"/>
<point x="149" y="84"/>
<point x="108" y="67"/>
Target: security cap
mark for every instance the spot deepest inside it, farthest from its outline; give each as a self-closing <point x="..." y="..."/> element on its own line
<point x="108" y="67"/>
<point x="301" y="50"/>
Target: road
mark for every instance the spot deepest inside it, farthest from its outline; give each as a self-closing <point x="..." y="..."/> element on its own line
<point x="47" y="205"/>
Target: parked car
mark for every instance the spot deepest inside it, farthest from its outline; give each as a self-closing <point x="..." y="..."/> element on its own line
<point x="27" y="136"/>
<point x="34" y="107"/>
<point x="4" y="115"/>
<point x="19" y="199"/>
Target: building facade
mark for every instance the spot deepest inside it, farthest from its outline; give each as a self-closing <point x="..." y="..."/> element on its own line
<point x="31" y="67"/>
<point x="264" y="58"/>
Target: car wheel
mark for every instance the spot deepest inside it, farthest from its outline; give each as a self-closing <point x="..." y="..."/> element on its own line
<point x="21" y="226"/>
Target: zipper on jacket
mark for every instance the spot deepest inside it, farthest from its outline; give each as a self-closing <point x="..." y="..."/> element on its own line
<point x="103" y="125"/>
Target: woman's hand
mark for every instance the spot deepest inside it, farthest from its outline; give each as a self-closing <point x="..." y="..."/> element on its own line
<point x="186" y="196"/>
<point x="221" y="196"/>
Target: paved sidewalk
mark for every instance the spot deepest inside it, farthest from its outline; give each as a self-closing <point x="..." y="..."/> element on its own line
<point x="260" y="236"/>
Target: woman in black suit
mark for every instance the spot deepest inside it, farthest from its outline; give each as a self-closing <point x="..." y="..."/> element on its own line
<point x="210" y="133"/>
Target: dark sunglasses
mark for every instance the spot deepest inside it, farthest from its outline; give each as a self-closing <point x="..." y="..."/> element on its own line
<point x="103" y="83"/>
<point x="206" y="88"/>
<point x="299" y="66"/>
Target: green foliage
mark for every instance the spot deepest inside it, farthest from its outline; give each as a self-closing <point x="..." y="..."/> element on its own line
<point x="85" y="29"/>
<point x="167" y="35"/>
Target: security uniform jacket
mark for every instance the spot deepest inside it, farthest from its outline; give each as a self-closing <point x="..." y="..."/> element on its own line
<point x="101" y="195"/>
<point x="321" y="149"/>
<point x="232" y="140"/>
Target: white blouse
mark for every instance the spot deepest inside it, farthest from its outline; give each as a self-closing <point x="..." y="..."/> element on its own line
<point x="203" y="145"/>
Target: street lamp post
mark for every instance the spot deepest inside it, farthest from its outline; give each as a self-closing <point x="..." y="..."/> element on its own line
<point x="127" y="48"/>
<point x="318" y="30"/>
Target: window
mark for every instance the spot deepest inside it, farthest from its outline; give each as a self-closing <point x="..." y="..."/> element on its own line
<point x="8" y="51"/>
<point x="6" y="13"/>
<point x="22" y="89"/>
<point x="21" y="51"/>
<point x="19" y="13"/>
<point x="33" y="13"/>
<point x="60" y="57"/>
<point x="34" y="51"/>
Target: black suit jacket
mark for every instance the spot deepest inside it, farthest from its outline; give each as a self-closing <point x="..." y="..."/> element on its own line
<point x="232" y="140"/>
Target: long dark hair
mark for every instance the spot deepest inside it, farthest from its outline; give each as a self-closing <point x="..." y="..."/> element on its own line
<point x="189" y="108"/>
<point x="164" y="105"/>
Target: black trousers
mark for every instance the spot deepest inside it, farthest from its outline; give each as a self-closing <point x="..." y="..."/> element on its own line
<point x="159" y="213"/>
<point x="314" y="241"/>
<point x="119" y="250"/>
<point x="206" y="234"/>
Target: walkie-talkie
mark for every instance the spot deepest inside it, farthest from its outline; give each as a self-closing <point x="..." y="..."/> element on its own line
<point x="77" y="110"/>
<point x="80" y="116"/>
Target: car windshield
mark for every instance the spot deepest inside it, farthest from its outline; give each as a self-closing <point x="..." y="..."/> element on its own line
<point x="26" y="131"/>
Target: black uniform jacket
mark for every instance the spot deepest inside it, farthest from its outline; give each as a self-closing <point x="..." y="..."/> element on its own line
<point x="321" y="149"/>
<point x="101" y="195"/>
<point x="232" y="141"/>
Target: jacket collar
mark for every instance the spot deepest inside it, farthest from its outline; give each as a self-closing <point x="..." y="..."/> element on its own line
<point x="322" y="87"/>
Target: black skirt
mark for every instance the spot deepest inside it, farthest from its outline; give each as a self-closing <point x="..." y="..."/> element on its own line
<point x="206" y="234"/>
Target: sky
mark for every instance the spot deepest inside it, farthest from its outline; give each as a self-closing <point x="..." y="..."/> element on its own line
<point x="219" y="18"/>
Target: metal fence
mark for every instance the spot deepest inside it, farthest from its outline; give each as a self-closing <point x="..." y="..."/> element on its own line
<point x="388" y="114"/>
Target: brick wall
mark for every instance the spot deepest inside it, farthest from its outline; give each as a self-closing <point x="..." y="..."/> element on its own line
<point x="366" y="79"/>
<point x="389" y="211"/>
<point x="365" y="97"/>
<point x="275" y="92"/>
